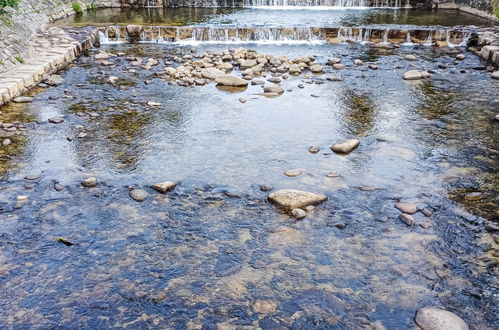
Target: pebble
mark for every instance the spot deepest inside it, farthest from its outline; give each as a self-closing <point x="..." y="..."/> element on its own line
<point x="426" y="212"/>
<point x="89" y="182"/>
<point x="292" y="199"/>
<point x="407" y="219"/>
<point x="314" y="149"/>
<point x="293" y="173"/>
<point x="58" y="187"/>
<point x="56" y="120"/>
<point x="410" y="57"/>
<point x="242" y="100"/>
<point x="298" y="213"/>
<point x="408" y="208"/>
<point x="138" y="195"/>
<point x="153" y="104"/>
<point x="333" y="174"/>
<point x="164" y="187"/>
<point x="6" y="142"/>
<point x="82" y="135"/>
<point x="345" y="146"/>
<point x="23" y="99"/>
<point x="32" y="177"/>
<point x="265" y="187"/>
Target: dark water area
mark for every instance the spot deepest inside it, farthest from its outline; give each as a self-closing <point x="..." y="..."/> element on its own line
<point x="262" y="17"/>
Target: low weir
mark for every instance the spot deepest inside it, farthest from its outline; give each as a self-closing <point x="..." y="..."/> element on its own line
<point x="191" y="35"/>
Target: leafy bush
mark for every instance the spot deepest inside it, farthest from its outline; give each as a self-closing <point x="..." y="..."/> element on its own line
<point x="76" y="7"/>
<point x="7" y="3"/>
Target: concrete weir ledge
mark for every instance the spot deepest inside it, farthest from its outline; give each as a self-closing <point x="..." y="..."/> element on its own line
<point x="54" y="48"/>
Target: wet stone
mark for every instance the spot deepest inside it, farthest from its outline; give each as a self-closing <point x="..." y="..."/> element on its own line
<point x="314" y="149"/>
<point x="298" y="213"/>
<point x="293" y="173"/>
<point x="138" y="195"/>
<point x="264" y="306"/>
<point x="345" y="146"/>
<point x="408" y="208"/>
<point x="431" y="318"/>
<point x="89" y="182"/>
<point x="32" y="177"/>
<point x="58" y="187"/>
<point x="56" y="120"/>
<point x="292" y="199"/>
<point x="265" y="187"/>
<point x="407" y="219"/>
<point x="164" y="187"/>
<point x="23" y="99"/>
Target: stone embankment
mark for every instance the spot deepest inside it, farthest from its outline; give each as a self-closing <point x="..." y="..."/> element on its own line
<point x="54" y="49"/>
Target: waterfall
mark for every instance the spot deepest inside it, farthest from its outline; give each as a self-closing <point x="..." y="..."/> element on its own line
<point x="306" y="4"/>
<point x="282" y="35"/>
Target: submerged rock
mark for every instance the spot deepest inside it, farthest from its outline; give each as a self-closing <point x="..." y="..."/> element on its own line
<point x="164" y="187"/>
<point x="265" y="187"/>
<point x="23" y="99"/>
<point x="230" y="80"/>
<point x="273" y="89"/>
<point x="56" y="120"/>
<point x="432" y="318"/>
<point x="410" y="57"/>
<point x="292" y="199"/>
<point x="346" y="146"/>
<point x="264" y="306"/>
<point x="138" y="195"/>
<point x="314" y="149"/>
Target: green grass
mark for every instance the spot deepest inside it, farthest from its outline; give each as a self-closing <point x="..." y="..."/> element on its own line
<point x="19" y="58"/>
<point x="77" y="7"/>
<point x="7" y="3"/>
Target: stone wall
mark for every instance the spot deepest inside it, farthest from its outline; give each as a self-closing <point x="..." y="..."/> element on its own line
<point x="18" y="28"/>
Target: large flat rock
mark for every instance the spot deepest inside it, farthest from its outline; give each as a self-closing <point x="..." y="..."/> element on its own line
<point x="292" y="199"/>
<point x="432" y="318"/>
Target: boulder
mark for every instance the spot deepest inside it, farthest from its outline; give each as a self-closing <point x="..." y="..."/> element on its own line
<point x="432" y="318"/>
<point x="292" y="199"/>
<point x="316" y="68"/>
<point x="346" y="146"/>
<point x="230" y="80"/>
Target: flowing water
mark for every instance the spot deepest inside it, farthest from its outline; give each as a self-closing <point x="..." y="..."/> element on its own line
<point x="214" y="253"/>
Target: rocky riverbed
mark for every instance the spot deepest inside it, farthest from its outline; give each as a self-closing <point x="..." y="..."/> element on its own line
<point x="133" y="196"/>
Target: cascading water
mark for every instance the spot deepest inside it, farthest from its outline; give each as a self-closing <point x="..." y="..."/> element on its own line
<point x="282" y="35"/>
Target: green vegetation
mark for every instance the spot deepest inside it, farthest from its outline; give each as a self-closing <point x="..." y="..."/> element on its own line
<point x="19" y="58"/>
<point x="76" y="7"/>
<point x="91" y="6"/>
<point x="7" y="3"/>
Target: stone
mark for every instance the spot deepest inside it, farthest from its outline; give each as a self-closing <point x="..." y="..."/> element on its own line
<point x="298" y="213"/>
<point x="247" y="64"/>
<point x="101" y="56"/>
<point x="358" y="62"/>
<point x="23" y="99"/>
<point x="460" y="57"/>
<point x="432" y="318"/>
<point x="293" y="173"/>
<point x="81" y="135"/>
<point x="332" y="174"/>
<point x="242" y="100"/>
<point x="265" y="187"/>
<point x="426" y="212"/>
<point x="412" y="75"/>
<point x="346" y="146"/>
<point x="410" y="57"/>
<point x="294" y="69"/>
<point x="153" y="104"/>
<point x="32" y="177"/>
<point x="264" y="306"/>
<point x="338" y="66"/>
<point x="230" y="80"/>
<point x="407" y="219"/>
<point x="112" y="79"/>
<point x="373" y="67"/>
<point x="334" y="60"/>
<point x="58" y="187"/>
<point x="258" y="82"/>
<point x="56" y="120"/>
<point x="316" y="68"/>
<point x="314" y="149"/>
<point x="425" y="74"/>
<point x="273" y="89"/>
<point x="495" y="75"/>
<point x="138" y="195"/>
<point x="409" y="208"/>
<point x="212" y="73"/>
<point x="293" y="199"/>
<point x="6" y="142"/>
<point x="164" y="187"/>
<point x="89" y="182"/>
<point x="54" y="80"/>
<point x="107" y="63"/>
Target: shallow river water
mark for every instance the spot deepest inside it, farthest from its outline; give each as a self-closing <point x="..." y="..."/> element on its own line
<point x="215" y="253"/>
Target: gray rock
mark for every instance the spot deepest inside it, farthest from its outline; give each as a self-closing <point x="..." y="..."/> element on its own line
<point x="56" y="120"/>
<point x="495" y="75"/>
<point x="407" y="219"/>
<point x="338" y="66"/>
<point x="23" y="99"/>
<point x="358" y="62"/>
<point x="432" y="318"/>
<point x="58" y="187"/>
<point x="346" y="146"/>
<point x="164" y="187"/>
<point x="460" y="57"/>
<point x="212" y="73"/>
<point x="333" y="174"/>
<point x="316" y="68"/>
<point x="32" y="177"/>
<point x="409" y="208"/>
<point x="101" y="56"/>
<point x="138" y="195"/>
<point x="89" y="182"/>
<point x="292" y="199"/>
<point x="265" y="187"/>
<point x="230" y="80"/>
<point x="410" y="57"/>
<point x="298" y="213"/>
<point x="293" y="173"/>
